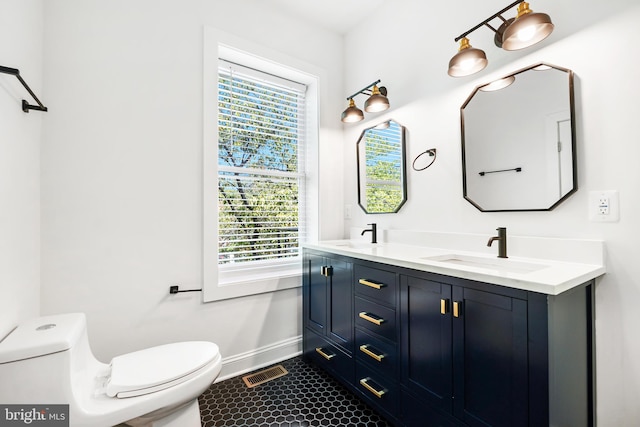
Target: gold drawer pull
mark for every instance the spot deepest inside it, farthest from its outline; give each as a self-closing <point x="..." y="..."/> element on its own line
<point x="323" y="354"/>
<point x="371" y="284"/>
<point x="444" y="306"/>
<point x="365" y="349"/>
<point x="377" y="393"/>
<point x="326" y="271"/>
<point x="456" y="309"/>
<point x="366" y="316"/>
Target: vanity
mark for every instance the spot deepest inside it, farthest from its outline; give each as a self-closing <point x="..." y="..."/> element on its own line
<point x="432" y="336"/>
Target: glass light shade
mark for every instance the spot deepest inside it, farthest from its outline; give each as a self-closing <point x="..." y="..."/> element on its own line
<point x="352" y="114"/>
<point x="467" y="61"/>
<point x="377" y="102"/>
<point x="528" y="29"/>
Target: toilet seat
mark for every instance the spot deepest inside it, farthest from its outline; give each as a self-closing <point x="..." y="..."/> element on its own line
<point x="157" y="368"/>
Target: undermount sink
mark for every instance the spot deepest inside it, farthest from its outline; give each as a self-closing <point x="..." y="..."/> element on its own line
<point x="353" y="245"/>
<point x="500" y="264"/>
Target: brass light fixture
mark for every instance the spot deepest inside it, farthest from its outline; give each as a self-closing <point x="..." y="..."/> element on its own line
<point x="526" y="29"/>
<point x="468" y="60"/>
<point x="376" y="102"/>
<point x="352" y="114"/>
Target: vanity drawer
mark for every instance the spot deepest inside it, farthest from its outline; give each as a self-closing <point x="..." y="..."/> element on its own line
<point x="375" y="283"/>
<point x="328" y="356"/>
<point x="381" y="391"/>
<point x="381" y="355"/>
<point x="376" y="318"/>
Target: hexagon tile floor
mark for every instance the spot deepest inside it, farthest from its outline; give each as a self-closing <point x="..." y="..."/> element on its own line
<point x="305" y="397"/>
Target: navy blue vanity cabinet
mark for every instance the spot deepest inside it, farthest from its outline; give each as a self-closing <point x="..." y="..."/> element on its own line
<point x="465" y="350"/>
<point x="377" y="334"/>
<point x="475" y="354"/>
<point x="429" y="350"/>
<point x="328" y="313"/>
<point x="490" y="360"/>
<point x="427" y="341"/>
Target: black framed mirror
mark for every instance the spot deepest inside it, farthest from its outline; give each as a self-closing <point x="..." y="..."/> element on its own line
<point x="382" y="178"/>
<point x="518" y="141"/>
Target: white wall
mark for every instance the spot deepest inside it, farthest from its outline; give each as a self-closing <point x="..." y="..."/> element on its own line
<point x="122" y="169"/>
<point x="424" y="98"/>
<point x="21" y="48"/>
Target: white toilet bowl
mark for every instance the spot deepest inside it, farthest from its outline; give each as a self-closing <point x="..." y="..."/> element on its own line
<point x="48" y="361"/>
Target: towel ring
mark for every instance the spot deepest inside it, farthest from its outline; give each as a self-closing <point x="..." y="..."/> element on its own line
<point x="431" y="152"/>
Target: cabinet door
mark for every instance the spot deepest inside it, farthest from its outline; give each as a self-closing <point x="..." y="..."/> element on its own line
<point x="426" y="340"/>
<point x="490" y="358"/>
<point x="341" y="303"/>
<point x="316" y="290"/>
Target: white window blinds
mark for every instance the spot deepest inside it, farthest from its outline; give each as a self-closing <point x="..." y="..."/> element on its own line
<point x="260" y="166"/>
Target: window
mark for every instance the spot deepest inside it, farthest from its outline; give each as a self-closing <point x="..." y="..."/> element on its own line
<point x="260" y="180"/>
<point x="260" y="167"/>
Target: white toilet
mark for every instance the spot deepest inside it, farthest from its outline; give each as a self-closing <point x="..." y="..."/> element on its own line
<point x="48" y="361"/>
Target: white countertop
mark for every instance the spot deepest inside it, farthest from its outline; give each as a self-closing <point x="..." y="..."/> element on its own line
<point x="546" y="276"/>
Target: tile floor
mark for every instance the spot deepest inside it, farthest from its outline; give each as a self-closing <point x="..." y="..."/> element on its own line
<point x="306" y="396"/>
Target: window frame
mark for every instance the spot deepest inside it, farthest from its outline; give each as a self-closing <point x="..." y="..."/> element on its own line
<point x="243" y="280"/>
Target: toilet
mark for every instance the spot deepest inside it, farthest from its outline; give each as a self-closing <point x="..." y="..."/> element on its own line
<point x="47" y="361"/>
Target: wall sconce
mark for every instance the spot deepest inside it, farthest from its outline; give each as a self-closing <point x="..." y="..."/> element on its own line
<point x="526" y="29"/>
<point x="376" y="102"/>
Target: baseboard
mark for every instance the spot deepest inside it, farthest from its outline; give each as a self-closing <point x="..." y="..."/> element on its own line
<point x="242" y="363"/>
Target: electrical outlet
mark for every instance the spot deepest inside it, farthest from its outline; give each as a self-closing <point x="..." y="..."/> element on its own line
<point x="348" y="211"/>
<point x="604" y="206"/>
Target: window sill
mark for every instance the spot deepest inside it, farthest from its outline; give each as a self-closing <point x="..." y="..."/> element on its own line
<point x="240" y="282"/>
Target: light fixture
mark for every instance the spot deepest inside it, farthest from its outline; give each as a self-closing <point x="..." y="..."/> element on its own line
<point x="525" y="30"/>
<point x="376" y="102"/>
<point x="467" y="61"/>
<point x="528" y="29"/>
<point x="352" y="114"/>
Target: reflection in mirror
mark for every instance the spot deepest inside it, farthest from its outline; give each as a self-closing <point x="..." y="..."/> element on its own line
<point x="382" y="184"/>
<point x="518" y="141"/>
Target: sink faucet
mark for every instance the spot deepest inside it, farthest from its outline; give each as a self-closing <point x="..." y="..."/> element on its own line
<point x="502" y="242"/>
<point x="374" y="232"/>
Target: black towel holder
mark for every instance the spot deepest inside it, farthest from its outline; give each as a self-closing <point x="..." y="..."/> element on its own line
<point x="175" y="289"/>
<point x="518" y="169"/>
<point x="431" y="152"/>
<point x="25" y="105"/>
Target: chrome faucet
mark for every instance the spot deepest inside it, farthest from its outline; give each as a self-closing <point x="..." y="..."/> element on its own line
<point x="374" y="232"/>
<point x="502" y="242"/>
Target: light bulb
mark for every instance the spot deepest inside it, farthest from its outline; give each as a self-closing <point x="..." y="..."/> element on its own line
<point x="526" y="33"/>
<point x="467" y="64"/>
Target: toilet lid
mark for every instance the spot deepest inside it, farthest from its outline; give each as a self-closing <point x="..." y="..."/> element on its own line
<point x="154" y="369"/>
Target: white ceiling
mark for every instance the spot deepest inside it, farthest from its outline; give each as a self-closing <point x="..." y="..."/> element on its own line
<point x="336" y="15"/>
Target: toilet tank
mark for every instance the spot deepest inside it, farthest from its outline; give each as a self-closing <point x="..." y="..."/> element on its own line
<point x="43" y="336"/>
<point x="47" y="360"/>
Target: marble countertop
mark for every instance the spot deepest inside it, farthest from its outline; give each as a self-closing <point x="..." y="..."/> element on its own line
<point x="546" y="276"/>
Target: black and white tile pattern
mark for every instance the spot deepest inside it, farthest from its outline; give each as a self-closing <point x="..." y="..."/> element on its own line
<point x="306" y="396"/>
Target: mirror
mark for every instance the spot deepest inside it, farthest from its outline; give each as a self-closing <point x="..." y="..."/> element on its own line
<point x="518" y="141"/>
<point x="382" y="186"/>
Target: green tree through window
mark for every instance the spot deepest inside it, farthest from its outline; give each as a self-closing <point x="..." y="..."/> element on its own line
<point x="382" y="153"/>
<point x="260" y="179"/>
